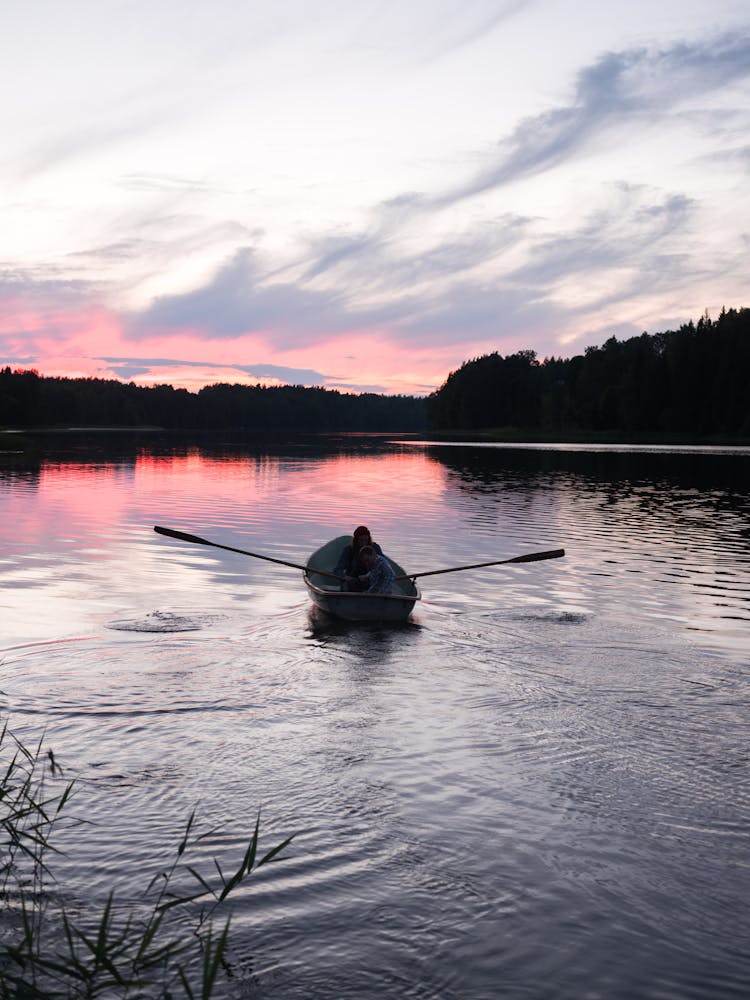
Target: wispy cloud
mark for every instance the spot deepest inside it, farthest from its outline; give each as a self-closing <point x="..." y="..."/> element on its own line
<point x="46" y="287"/>
<point x="617" y="88"/>
<point x="236" y="303"/>
<point x="631" y="232"/>
<point x="443" y="292"/>
<point x="437" y="28"/>
<point x="128" y="368"/>
<point x="79" y="142"/>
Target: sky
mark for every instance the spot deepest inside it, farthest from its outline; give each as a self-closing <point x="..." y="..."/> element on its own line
<point x="364" y="195"/>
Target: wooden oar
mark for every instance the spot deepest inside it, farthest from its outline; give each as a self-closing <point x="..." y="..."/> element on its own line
<point x="185" y="537"/>
<point x="531" y="557"/>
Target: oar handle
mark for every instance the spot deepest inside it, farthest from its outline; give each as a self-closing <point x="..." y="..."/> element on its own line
<point x="183" y="536"/>
<point x="531" y="557"/>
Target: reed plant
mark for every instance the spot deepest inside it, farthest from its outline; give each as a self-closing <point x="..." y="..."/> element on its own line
<point x="167" y="944"/>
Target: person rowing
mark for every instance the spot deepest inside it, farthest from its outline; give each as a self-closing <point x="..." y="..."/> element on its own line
<point x="379" y="576"/>
<point x="350" y="564"/>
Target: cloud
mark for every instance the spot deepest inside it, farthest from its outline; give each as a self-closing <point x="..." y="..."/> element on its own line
<point x="148" y="370"/>
<point x="455" y="26"/>
<point x="334" y="251"/>
<point x="630" y="247"/>
<point x="380" y="279"/>
<point x="630" y="232"/>
<point x="128" y="368"/>
<point x="80" y="143"/>
<point x="452" y="292"/>
<point x="45" y="285"/>
<point x="469" y="313"/>
<point x="162" y="184"/>
<point x="371" y="287"/>
<point x="618" y="87"/>
<point x="739" y="155"/>
<point x="443" y="295"/>
<point x="236" y="303"/>
<point x="125" y="249"/>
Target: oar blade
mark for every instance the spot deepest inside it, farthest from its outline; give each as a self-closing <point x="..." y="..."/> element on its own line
<point x="537" y="556"/>
<point x="182" y="535"/>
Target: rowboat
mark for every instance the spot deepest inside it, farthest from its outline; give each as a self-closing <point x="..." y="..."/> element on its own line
<point x="327" y="593"/>
<point x="328" y="590"/>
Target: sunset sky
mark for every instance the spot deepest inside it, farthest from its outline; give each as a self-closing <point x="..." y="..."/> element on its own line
<point x="362" y="195"/>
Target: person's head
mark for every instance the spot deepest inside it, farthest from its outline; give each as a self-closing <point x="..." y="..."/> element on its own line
<point x="367" y="552"/>
<point x="362" y="536"/>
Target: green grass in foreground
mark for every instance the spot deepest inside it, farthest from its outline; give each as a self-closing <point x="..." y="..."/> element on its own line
<point x="167" y="945"/>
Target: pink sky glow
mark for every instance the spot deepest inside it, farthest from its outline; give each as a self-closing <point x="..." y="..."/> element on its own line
<point x="81" y="344"/>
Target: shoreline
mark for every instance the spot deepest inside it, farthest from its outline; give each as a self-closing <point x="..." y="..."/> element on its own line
<point x="13" y="438"/>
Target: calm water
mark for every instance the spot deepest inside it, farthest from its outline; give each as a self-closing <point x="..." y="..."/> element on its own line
<point x="537" y="788"/>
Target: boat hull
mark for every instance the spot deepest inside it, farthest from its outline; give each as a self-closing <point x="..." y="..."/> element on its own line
<point x="327" y="594"/>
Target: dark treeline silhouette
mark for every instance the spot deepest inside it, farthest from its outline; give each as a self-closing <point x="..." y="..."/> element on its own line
<point x="30" y="400"/>
<point x="691" y="382"/>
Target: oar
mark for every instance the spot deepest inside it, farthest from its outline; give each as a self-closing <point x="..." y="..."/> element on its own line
<point x="531" y="557"/>
<point x="185" y="537"/>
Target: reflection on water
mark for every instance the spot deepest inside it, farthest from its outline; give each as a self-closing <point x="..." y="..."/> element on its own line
<point x="677" y="523"/>
<point x="540" y="779"/>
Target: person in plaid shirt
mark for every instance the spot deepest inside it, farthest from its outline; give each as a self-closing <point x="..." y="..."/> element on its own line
<point x="379" y="577"/>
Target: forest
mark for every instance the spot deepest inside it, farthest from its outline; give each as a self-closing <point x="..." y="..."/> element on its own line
<point x="29" y="400"/>
<point x="691" y="382"/>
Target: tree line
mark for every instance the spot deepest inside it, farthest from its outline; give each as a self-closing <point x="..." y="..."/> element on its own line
<point x="28" y="399"/>
<point x="691" y="381"/>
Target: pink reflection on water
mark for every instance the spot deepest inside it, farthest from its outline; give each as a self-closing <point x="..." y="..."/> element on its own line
<point x="79" y="547"/>
<point x="289" y="505"/>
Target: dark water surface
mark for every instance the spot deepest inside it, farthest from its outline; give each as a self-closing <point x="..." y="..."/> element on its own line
<point x="538" y="787"/>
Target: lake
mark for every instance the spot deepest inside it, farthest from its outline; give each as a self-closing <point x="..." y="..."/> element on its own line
<point x="536" y="788"/>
